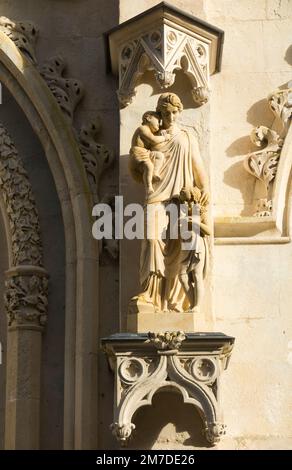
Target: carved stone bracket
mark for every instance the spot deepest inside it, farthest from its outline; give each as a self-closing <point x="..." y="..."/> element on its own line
<point x="263" y="164"/>
<point x="164" y="40"/>
<point x="188" y="364"/>
<point x="22" y="33"/>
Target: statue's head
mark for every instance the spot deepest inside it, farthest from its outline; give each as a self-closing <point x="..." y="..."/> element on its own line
<point x="151" y="119"/>
<point x="169" y="106"/>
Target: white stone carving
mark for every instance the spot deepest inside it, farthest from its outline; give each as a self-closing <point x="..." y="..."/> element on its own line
<point x="22" y="33"/>
<point x="67" y="91"/>
<point x="280" y="102"/>
<point x="164" y="40"/>
<point x="263" y="164"/>
<point x="168" y="340"/>
<point x="179" y="364"/>
<point x="164" y="50"/>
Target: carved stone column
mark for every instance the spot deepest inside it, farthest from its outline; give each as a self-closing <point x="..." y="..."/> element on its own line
<point x="26" y="292"/>
<point x="189" y="364"/>
<point x="26" y="304"/>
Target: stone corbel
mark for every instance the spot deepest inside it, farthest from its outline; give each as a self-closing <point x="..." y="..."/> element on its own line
<point x="164" y="40"/>
<point x="187" y="364"/>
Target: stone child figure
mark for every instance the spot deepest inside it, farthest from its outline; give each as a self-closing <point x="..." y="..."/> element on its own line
<point x="145" y="163"/>
<point x="192" y="261"/>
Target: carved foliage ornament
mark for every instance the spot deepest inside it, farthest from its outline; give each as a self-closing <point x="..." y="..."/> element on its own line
<point x="263" y="164"/>
<point x="164" y="50"/>
<point x="168" y="340"/>
<point x="22" y="33"/>
<point x="26" y="283"/>
<point x="67" y="91"/>
<point x="26" y="299"/>
<point x="20" y="205"/>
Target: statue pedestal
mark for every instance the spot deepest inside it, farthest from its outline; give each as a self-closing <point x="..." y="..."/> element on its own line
<point x="142" y="318"/>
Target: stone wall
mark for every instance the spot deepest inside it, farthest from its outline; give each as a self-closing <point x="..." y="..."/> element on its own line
<point x="250" y="294"/>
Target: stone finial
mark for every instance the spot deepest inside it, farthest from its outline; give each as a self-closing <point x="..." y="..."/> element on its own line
<point x="164" y="40"/>
<point x="22" y="33"/>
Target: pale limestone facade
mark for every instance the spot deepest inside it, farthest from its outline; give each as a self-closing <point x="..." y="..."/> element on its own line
<point x="56" y="389"/>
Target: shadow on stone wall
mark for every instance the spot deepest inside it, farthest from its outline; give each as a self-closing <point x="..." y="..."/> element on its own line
<point x="168" y="424"/>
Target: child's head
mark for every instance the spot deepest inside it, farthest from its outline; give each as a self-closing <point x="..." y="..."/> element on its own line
<point x="151" y="119"/>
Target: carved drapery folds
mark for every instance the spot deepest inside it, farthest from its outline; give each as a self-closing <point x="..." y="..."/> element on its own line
<point x="164" y="40"/>
<point x="26" y="282"/>
<point x="22" y="33"/>
<point x="263" y="164"/>
<point x="188" y="364"/>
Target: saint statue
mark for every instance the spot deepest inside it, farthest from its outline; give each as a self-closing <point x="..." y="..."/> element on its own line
<point x="167" y="159"/>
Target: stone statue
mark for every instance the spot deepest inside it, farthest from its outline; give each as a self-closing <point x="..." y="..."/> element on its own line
<point x="171" y="276"/>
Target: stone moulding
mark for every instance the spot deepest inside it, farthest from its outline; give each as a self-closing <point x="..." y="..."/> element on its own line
<point x="190" y="365"/>
<point x="164" y="39"/>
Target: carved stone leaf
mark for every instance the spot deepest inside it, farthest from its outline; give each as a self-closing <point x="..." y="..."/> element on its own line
<point x="20" y="205"/>
<point x="23" y="34"/>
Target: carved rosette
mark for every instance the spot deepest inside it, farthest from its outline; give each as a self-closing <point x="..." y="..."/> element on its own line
<point x="142" y="370"/>
<point x="22" y="33"/>
<point x="164" y="51"/>
<point x="26" y="282"/>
